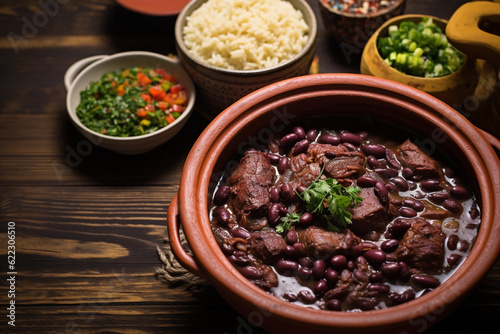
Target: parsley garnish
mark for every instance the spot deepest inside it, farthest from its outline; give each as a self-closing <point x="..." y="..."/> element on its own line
<point x="326" y="198"/>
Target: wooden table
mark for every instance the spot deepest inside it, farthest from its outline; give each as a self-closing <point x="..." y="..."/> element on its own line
<point x="88" y="222"/>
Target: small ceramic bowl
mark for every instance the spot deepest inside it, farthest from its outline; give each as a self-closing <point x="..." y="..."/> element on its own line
<point x="354" y="29"/>
<point x="218" y="88"/>
<point x="79" y="76"/>
<point x="330" y="98"/>
<point x="452" y="88"/>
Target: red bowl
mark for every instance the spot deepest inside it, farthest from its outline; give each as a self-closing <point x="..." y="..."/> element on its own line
<point x="330" y="96"/>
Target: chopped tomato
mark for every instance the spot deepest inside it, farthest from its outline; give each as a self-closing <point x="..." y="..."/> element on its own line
<point x="175" y="89"/>
<point x="170" y="118"/>
<point x="146" y="97"/>
<point x="165" y="75"/>
<point x="120" y="90"/>
<point x="157" y="93"/>
<point x="143" y="79"/>
<point x="141" y="112"/>
<point x="150" y="108"/>
<point x="178" y="108"/>
<point x="163" y="105"/>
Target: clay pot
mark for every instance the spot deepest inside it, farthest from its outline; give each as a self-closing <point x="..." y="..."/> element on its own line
<point x="331" y="98"/>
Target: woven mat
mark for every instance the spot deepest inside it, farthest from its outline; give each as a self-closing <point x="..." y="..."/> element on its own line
<point x="173" y="274"/>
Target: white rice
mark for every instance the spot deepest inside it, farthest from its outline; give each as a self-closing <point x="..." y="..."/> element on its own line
<point x="245" y="34"/>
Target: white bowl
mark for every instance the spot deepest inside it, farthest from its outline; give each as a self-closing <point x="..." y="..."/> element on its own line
<point x="79" y="76"/>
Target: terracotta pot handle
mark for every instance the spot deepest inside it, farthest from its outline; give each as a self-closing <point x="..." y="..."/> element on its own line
<point x="464" y="32"/>
<point x="186" y="260"/>
<point x="492" y="140"/>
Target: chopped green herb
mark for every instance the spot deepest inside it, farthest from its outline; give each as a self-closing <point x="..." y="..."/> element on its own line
<point x="419" y="49"/>
<point x="329" y="199"/>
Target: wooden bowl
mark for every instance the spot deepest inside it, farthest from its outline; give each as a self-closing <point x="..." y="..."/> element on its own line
<point x="329" y="97"/>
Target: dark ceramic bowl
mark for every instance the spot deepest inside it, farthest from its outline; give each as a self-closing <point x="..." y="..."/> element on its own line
<point x="353" y="30"/>
<point x="217" y="88"/>
<point x="329" y="97"/>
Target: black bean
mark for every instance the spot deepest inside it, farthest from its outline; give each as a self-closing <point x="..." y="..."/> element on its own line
<point x="289" y="252"/>
<point x="366" y="181"/>
<point x="474" y="212"/>
<point x="306" y="261"/>
<point x="299" y="131"/>
<point x="391" y="159"/>
<point x="288" y="140"/>
<point x="373" y="162"/>
<point x="400" y="183"/>
<point x="454" y="259"/>
<point x="306" y="219"/>
<point x="355" y="251"/>
<point x="452" y="206"/>
<point x="404" y="271"/>
<point x="430" y="185"/>
<point x="291" y="237"/>
<point x="376" y="150"/>
<point x="399" y="227"/>
<point x="286" y="267"/>
<point x="382" y="288"/>
<point x="221" y="195"/>
<point x="307" y="296"/>
<point x="227" y="249"/>
<point x="283" y="165"/>
<point x="273" y="214"/>
<point x="366" y="303"/>
<point x="329" y="139"/>
<point x="334" y="305"/>
<point x="250" y="272"/>
<point x="300" y="249"/>
<point x="360" y="276"/>
<point x="376" y="277"/>
<point x="391" y="188"/>
<point x="452" y="242"/>
<point x="390" y="258"/>
<point x="338" y="262"/>
<point x="300" y="188"/>
<point x="273" y="158"/>
<point x="304" y="273"/>
<point x="363" y="135"/>
<point x="393" y="299"/>
<point x="407" y="173"/>
<point x="240" y="232"/>
<point x="386" y="172"/>
<point x="288" y="193"/>
<point x="351" y="138"/>
<point x="389" y="246"/>
<point x="390" y="269"/>
<point x="407" y="296"/>
<point x="367" y="245"/>
<point x="290" y="296"/>
<point x="459" y="192"/>
<point x="349" y="146"/>
<point x="274" y="194"/>
<point x="375" y="257"/>
<point x="318" y="268"/>
<point x="382" y="193"/>
<point x="239" y="258"/>
<point x="425" y="281"/>
<point x="224" y="216"/>
<point x="407" y="212"/>
<point x="301" y="146"/>
<point x="414" y="204"/>
<point x="311" y="135"/>
<point x="331" y="275"/>
<point x="321" y="287"/>
<point x="463" y="245"/>
<point x="438" y="198"/>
